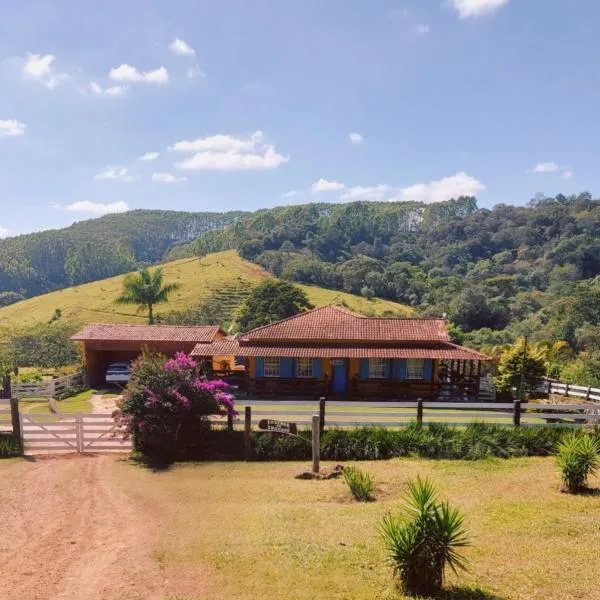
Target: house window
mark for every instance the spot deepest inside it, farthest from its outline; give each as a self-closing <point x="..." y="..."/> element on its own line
<point x="415" y="368"/>
<point x="272" y="367"/>
<point x="377" y="368"/>
<point x="304" y="367"/>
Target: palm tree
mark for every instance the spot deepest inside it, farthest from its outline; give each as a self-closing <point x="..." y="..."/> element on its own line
<point x="146" y="289"/>
<point x="553" y="354"/>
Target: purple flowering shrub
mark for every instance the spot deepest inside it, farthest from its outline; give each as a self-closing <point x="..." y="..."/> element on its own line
<point x="167" y="405"/>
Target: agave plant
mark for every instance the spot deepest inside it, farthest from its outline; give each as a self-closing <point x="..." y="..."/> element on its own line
<point x="577" y="458"/>
<point x="426" y="538"/>
<point x="361" y="483"/>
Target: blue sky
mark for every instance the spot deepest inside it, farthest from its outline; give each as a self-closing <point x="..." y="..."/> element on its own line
<point x="257" y="103"/>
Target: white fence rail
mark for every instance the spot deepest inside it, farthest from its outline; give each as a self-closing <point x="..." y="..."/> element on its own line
<point x="47" y="389"/>
<point x="577" y="391"/>
<point x="400" y="414"/>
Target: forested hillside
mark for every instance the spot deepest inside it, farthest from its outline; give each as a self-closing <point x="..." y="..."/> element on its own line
<point x="95" y="249"/>
<point x="497" y="274"/>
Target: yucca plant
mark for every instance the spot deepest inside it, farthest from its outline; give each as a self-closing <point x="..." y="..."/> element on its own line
<point x="361" y="483"/>
<point x="577" y="458"/>
<point x="427" y="537"/>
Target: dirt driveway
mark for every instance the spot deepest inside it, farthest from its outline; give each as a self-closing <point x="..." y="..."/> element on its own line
<point x="68" y="532"/>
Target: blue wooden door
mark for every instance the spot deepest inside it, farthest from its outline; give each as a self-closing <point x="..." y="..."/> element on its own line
<point x="340" y="376"/>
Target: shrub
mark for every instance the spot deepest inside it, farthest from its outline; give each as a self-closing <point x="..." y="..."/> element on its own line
<point x="9" y="446"/>
<point x="71" y="391"/>
<point x="361" y="483"/>
<point x="577" y="458"/>
<point x="167" y="404"/>
<point x="425" y="539"/>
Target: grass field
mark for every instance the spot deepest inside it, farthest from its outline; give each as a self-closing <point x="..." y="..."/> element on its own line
<point x="257" y="532"/>
<point x="224" y="275"/>
<point x="78" y="403"/>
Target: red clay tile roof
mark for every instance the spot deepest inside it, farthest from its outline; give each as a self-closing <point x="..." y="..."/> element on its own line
<point x="332" y="323"/>
<point x="147" y="333"/>
<point x="443" y="350"/>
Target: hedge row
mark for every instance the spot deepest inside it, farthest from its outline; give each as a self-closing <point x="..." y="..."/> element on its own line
<point x="476" y="441"/>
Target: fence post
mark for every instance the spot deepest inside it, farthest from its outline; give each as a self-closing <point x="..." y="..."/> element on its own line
<point x="322" y="401"/>
<point x="248" y="433"/>
<point x="229" y="421"/>
<point x="588" y="392"/>
<point x="16" y="421"/>
<point x="420" y="411"/>
<point x="79" y="432"/>
<point x="316" y="445"/>
<point x="567" y="390"/>
<point x="517" y="413"/>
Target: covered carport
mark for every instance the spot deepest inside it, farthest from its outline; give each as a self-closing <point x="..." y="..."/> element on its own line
<point x="104" y="343"/>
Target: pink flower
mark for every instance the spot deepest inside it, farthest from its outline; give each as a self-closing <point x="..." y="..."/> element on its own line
<point x="228" y="402"/>
<point x="179" y="396"/>
<point x="181" y="362"/>
<point x="212" y="387"/>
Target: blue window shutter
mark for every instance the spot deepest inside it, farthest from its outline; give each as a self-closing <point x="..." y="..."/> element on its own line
<point x="364" y="368"/>
<point x="286" y="367"/>
<point x="388" y="368"/>
<point x="317" y="368"/>
<point x="427" y="369"/>
<point x="259" y="367"/>
<point x="399" y="369"/>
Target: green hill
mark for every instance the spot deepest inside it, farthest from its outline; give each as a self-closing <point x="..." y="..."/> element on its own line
<point x="223" y="275"/>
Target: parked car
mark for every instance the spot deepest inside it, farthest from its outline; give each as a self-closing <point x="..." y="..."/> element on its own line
<point x="118" y="372"/>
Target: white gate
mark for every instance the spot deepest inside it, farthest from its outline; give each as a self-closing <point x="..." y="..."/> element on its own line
<point x="49" y="434"/>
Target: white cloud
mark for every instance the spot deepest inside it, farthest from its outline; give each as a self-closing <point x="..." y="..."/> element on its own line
<point x="324" y="185"/>
<point x="567" y="174"/>
<point x="3" y="232"/>
<point x="422" y="29"/>
<point x="128" y="73"/>
<point x="195" y="72"/>
<point x="356" y="138"/>
<point x="374" y="193"/>
<point x="228" y="153"/>
<point x="41" y="68"/>
<point x="290" y="194"/>
<point x="454" y="186"/>
<point x="11" y="128"/>
<point x="166" y="178"/>
<point x="117" y="172"/>
<point x="546" y="167"/>
<point x="97" y="208"/>
<point x="221" y="143"/>
<point x="181" y="47"/>
<point x="113" y="91"/>
<point x="149" y="156"/>
<point x="477" y="8"/>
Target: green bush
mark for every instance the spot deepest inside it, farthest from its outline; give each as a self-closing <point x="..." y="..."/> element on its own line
<point x="71" y="391"/>
<point x="361" y="483"/>
<point x="9" y="446"/>
<point x="577" y="458"/>
<point x="426" y="538"/>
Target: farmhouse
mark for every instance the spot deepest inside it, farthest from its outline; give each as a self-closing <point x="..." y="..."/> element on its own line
<point x="103" y="344"/>
<point x="331" y="351"/>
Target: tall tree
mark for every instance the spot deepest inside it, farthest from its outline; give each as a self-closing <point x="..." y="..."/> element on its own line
<point x="146" y="289"/>
<point x="270" y="301"/>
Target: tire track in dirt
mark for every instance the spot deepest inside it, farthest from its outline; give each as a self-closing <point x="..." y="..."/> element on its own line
<point x="69" y="533"/>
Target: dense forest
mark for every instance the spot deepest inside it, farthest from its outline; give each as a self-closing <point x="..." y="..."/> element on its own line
<point x="98" y="248"/>
<point x="497" y="274"/>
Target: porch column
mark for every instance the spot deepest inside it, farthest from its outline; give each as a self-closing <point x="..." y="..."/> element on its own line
<point x="478" y="378"/>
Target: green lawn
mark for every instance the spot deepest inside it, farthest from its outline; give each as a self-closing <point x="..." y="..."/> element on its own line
<point x="257" y="532"/>
<point x="223" y="274"/>
<point x="78" y="403"/>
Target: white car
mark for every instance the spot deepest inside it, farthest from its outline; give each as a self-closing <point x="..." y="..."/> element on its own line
<point x="118" y="372"/>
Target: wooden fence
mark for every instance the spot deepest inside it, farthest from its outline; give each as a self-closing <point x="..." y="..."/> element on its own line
<point x="573" y="391"/>
<point x="341" y="414"/>
<point x="47" y="389"/>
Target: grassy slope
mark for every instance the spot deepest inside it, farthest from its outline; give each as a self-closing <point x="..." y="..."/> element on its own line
<point x="200" y="279"/>
<point x="260" y="533"/>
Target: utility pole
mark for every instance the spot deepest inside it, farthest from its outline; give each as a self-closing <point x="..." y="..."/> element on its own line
<point x="523" y="361"/>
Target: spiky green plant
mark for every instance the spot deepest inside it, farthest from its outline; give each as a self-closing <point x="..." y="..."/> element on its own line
<point x="427" y="537"/>
<point x="361" y="483"/>
<point x="577" y="459"/>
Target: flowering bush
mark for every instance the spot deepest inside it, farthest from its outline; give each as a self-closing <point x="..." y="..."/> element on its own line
<point x="167" y="404"/>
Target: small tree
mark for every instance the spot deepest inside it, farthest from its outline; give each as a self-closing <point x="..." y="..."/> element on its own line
<point x="518" y="365"/>
<point x="146" y="289"/>
<point x="577" y="459"/>
<point x="167" y="404"/>
<point x="270" y="301"/>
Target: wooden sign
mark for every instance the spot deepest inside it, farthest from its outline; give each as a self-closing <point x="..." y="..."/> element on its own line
<point x="278" y="426"/>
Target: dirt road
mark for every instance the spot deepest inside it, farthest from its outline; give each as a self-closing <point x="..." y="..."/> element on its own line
<point x="68" y="532"/>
